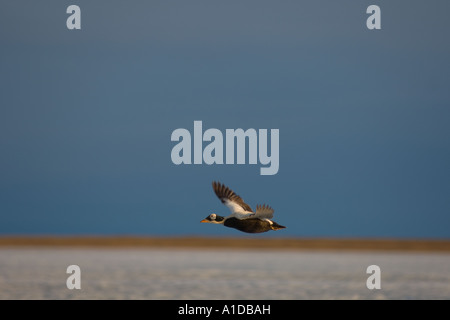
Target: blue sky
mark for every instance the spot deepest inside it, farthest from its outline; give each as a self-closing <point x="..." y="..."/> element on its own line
<point x="86" y="115"/>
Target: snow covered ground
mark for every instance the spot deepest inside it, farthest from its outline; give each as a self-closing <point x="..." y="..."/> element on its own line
<point x="40" y="273"/>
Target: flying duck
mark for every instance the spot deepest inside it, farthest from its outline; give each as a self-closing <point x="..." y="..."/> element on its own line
<point x="242" y="216"/>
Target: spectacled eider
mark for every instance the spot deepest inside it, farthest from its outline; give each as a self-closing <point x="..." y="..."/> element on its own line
<point x="242" y="216"/>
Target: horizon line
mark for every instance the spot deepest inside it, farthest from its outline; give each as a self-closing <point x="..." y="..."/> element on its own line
<point x="224" y="242"/>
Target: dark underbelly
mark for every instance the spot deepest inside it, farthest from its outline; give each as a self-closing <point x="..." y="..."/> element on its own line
<point x="248" y="225"/>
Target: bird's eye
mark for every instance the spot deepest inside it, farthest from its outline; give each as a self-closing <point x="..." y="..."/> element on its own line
<point x="212" y="216"/>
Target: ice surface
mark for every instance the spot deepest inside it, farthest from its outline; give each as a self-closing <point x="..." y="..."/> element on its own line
<point x="40" y="273"/>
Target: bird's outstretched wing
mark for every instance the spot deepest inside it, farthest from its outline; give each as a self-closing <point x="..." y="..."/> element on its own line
<point x="263" y="212"/>
<point x="231" y="200"/>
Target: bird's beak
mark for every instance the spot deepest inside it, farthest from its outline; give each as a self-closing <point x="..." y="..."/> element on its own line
<point x="204" y="220"/>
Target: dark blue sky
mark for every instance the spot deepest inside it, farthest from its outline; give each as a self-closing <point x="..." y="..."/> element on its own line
<point x="86" y="115"/>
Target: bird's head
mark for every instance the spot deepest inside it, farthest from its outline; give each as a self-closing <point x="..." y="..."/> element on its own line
<point x="213" y="218"/>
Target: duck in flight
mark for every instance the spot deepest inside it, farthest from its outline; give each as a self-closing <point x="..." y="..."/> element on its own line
<point x="242" y="216"/>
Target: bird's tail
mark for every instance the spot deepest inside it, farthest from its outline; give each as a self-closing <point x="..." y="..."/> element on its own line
<point x="276" y="226"/>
